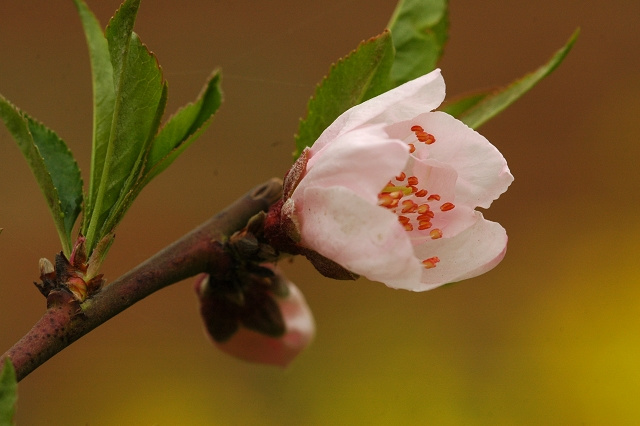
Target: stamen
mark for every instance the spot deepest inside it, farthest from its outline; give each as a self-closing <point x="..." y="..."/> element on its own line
<point x="421" y="193"/>
<point x="412" y="148"/>
<point x="425" y="137"/>
<point x="388" y="200"/>
<point x="401" y="177"/>
<point x="435" y="234"/>
<point x="403" y="219"/>
<point x="430" y="262"/>
<point x="413" y="180"/>
<point x="423" y="208"/>
<point x="395" y="191"/>
<point x="424" y="224"/>
<point x="428" y="215"/>
<point x="447" y="206"/>
<point x="433" y="197"/>
<point x="409" y="206"/>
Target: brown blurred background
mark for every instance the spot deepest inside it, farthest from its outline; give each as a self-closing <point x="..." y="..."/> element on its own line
<point x="551" y="336"/>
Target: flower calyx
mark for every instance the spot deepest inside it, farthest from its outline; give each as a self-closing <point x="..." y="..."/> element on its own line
<point x="282" y="231"/>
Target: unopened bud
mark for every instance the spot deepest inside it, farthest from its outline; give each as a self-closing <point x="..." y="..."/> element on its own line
<point x="272" y="327"/>
<point x="46" y="267"/>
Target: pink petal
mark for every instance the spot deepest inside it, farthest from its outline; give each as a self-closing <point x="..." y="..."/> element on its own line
<point x="470" y="253"/>
<point x="363" y="161"/>
<point x="482" y="171"/>
<point x="361" y="236"/>
<point x="406" y="101"/>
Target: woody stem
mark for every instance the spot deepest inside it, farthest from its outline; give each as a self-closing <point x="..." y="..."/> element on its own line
<point x="198" y="251"/>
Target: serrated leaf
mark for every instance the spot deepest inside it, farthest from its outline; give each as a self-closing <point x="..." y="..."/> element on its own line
<point x="140" y="97"/>
<point x="419" y="32"/>
<point x="128" y="193"/>
<point x="103" y="98"/>
<point x="497" y="101"/>
<point x="63" y="169"/>
<point x="8" y="393"/>
<point x="359" y="76"/>
<point x="180" y="131"/>
<point x="52" y="165"/>
<point x="183" y="128"/>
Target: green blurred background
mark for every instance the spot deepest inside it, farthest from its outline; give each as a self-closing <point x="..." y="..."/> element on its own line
<point x="551" y="336"/>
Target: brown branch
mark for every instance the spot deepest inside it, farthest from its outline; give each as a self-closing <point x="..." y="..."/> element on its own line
<point x="63" y="323"/>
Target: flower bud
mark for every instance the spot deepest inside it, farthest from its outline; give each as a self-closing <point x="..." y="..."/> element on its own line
<point x="266" y="321"/>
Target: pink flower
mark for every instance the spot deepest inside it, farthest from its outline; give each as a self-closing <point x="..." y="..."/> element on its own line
<point x="389" y="191"/>
<point x="269" y="323"/>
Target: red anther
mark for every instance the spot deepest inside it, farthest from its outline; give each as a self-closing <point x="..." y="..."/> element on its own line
<point x="425" y="137"/>
<point x="423" y="208"/>
<point x="424" y="224"/>
<point x="403" y="219"/>
<point x="447" y="206"/>
<point x="434" y="197"/>
<point x="389" y="199"/>
<point x="401" y="176"/>
<point x="409" y="206"/>
<point x="412" y="148"/>
<point x="430" y="262"/>
<point x="421" y="193"/>
<point x="428" y="215"/>
<point x="435" y="234"/>
<point x="414" y="189"/>
<point x="417" y="128"/>
<point x="407" y="227"/>
<point x="413" y="180"/>
<point x="384" y="200"/>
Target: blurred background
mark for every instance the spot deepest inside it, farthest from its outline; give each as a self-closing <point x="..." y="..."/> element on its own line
<point x="551" y="336"/>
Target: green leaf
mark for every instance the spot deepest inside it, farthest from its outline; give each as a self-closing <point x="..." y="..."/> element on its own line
<point x="8" y="393"/>
<point x="184" y="127"/>
<point x="52" y="165"/>
<point x="140" y="97"/>
<point x="180" y="131"/>
<point x="419" y="32"/>
<point x="361" y="75"/>
<point x="459" y="105"/>
<point x="63" y="169"/>
<point x="103" y="98"/>
<point x="492" y="104"/>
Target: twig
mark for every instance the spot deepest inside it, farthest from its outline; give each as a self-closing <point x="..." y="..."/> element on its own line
<point x="198" y="251"/>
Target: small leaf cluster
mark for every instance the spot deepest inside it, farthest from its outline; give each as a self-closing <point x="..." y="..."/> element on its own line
<point x="129" y="145"/>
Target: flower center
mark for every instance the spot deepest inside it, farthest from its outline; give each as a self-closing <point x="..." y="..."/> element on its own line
<point x="409" y="199"/>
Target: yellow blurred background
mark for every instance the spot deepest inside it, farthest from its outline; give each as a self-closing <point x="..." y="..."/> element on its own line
<point x="551" y="336"/>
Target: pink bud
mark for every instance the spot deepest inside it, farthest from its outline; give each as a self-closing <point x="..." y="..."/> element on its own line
<point x="254" y="346"/>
